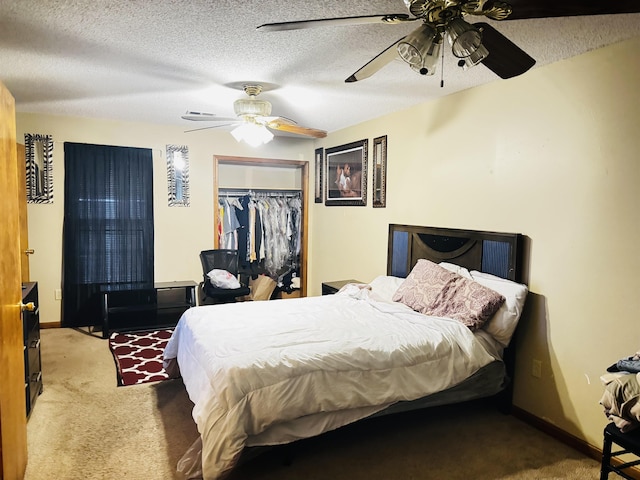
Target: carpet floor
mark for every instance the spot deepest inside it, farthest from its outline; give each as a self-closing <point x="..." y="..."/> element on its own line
<point x="85" y="427"/>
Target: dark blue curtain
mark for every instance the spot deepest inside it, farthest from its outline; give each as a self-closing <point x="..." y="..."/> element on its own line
<point x="108" y="226"/>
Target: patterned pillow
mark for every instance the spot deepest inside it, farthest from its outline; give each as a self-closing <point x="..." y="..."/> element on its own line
<point x="423" y="285"/>
<point x="436" y="291"/>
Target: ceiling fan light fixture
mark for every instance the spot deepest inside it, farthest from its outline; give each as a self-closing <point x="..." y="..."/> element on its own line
<point x="252" y="107"/>
<point x="420" y="49"/>
<point x="463" y="37"/>
<point x="252" y="133"/>
<point x="475" y="58"/>
<point x="429" y="62"/>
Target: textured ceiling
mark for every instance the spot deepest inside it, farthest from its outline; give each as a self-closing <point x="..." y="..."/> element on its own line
<point x="151" y="61"/>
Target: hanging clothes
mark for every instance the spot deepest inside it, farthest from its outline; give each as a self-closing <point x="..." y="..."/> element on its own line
<point x="267" y="233"/>
<point x="230" y="225"/>
<point x="243" y="231"/>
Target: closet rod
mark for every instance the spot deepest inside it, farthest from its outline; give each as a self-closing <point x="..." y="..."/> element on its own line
<point x="235" y="192"/>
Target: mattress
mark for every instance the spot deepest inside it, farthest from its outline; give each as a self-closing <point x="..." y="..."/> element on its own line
<point x="264" y="373"/>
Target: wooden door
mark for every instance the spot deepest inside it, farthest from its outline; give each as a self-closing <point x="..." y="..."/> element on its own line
<point x="22" y="212"/>
<point x="13" y="416"/>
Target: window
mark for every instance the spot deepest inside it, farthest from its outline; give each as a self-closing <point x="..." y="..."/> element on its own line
<point x="108" y="226"/>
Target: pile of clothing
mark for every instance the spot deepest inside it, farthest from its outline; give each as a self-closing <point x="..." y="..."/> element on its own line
<point x="621" y="398"/>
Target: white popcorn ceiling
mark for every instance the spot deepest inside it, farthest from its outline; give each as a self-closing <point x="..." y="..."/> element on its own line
<point x="150" y="61"/>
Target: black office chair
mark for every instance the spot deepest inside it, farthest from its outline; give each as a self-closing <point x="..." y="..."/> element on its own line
<point x="221" y="259"/>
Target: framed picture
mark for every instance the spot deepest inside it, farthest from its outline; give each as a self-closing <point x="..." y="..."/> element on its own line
<point x="346" y="174"/>
<point x="379" y="172"/>
<point x="319" y="191"/>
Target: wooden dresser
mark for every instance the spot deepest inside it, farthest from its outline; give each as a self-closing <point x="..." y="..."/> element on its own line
<point x="31" y="329"/>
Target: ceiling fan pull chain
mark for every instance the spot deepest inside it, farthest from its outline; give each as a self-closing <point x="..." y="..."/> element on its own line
<point x="442" y="68"/>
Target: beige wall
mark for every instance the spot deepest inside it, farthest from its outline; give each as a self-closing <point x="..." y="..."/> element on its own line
<point x="180" y="232"/>
<point x="552" y="154"/>
<point x="239" y="176"/>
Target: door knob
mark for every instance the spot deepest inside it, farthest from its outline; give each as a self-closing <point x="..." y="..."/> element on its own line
<point x="29" y="307"/>
<point x="29" y="251"/>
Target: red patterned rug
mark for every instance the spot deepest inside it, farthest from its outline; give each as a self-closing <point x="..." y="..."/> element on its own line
<point x="138" y="356"/>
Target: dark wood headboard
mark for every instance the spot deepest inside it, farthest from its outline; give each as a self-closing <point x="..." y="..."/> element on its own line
<point x="499" y="254"/>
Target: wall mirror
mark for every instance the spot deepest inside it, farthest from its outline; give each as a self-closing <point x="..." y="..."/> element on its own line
<point x="39" y="163"/>
<point x="319" y="157"/>
<point x="380" y="171"/>
<point x="178" y="175"/>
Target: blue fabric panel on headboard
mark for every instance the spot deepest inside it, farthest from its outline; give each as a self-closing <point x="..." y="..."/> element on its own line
<point x="495" y="258"/>
<point x="400" y="254"/>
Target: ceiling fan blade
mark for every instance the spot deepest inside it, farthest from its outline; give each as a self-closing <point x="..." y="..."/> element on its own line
<point x="376" y="63"/>
<point x="213" y="126"/>
<point x="505" y="58"/>
<point x="553" y="8"/>
<point x="278" y="118"/>
<point x="206" y="117"/>
<point x="392" y="18"/>
<point x="284" y="126"/>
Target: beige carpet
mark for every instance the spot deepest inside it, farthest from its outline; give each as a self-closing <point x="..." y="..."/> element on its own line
<point x="85" y="427"/>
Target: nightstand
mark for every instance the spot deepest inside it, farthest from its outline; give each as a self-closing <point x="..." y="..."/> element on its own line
<point x="329" y="288"/>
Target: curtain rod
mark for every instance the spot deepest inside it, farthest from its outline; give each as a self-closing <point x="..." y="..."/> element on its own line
<point x="154" y="150"/>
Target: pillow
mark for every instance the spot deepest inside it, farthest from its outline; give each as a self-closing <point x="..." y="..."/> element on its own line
<point x="433" y="290"/>
<point x="385" y="286"/>
<point x="504" y="322"/>
<point x="223" y="279"/>
<point x="423" y="284"/>
<point x="456" y="269"/>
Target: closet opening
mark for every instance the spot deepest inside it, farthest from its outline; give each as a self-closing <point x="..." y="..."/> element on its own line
<point x="260" y="209"/>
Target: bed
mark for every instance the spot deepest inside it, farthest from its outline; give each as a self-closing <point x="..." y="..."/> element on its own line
<point x="270" y="373"/>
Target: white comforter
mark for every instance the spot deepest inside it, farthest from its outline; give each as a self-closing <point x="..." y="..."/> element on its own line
<point x="255" y="367"/>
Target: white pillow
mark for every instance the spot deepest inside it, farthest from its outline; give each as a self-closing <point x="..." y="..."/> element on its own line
<point x="503" y="323"/>
<point x="456" y="269"/>
<point x="385" y="286"/>
<point x="223" y="279"/>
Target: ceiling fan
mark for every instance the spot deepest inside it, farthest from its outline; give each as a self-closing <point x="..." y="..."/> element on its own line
<point x="253" y="120"/>
<point x="442" y="20"/>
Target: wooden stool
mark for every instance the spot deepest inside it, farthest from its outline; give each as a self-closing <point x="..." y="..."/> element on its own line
<point x="630" y="442"/>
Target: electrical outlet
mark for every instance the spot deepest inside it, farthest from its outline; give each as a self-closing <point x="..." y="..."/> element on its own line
<point x="536" y="368"/>
<point x="57" y="294"/>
